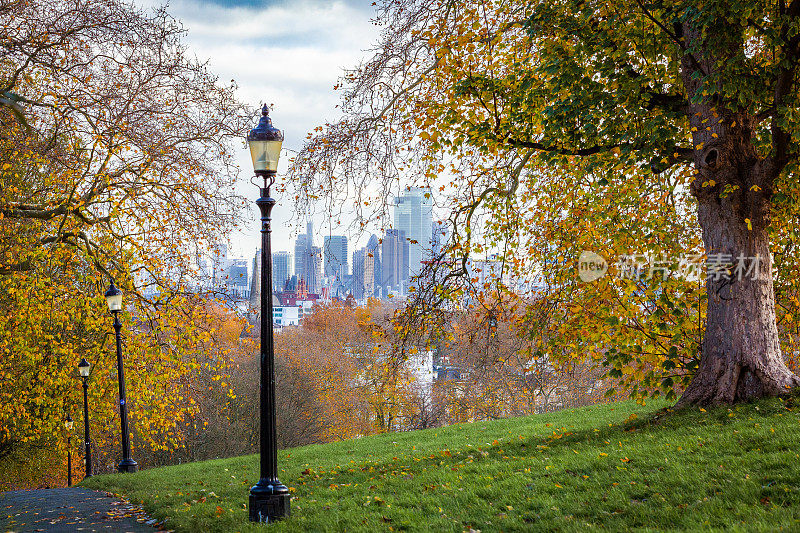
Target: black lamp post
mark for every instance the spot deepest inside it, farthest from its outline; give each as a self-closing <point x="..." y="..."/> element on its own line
<point x="269" y="498"/>
<point x="68" y="424"/>
<point x="83" y="368"/>
<point x="492" y="323"/>
<point x="114" y="299"/>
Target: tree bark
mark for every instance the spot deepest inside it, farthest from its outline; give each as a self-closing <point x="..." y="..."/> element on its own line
<point x="741" y="356"/>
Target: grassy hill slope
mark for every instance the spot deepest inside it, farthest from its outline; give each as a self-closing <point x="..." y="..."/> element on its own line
<point x="616" y="467"/>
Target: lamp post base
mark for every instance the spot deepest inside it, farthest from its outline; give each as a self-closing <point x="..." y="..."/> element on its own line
<point x="128" y="466"/>
<point x="269" y="503"/>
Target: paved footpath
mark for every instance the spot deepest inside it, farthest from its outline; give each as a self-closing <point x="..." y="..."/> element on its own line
<point x="70" y="510"/>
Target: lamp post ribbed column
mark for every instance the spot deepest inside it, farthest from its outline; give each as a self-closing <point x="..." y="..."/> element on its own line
<point x="83" y="368"/>
<point x="269" y="498"/>
<point x="114" y="299"/>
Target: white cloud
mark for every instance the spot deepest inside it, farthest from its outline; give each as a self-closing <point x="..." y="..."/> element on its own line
<point x="289" y="55"/>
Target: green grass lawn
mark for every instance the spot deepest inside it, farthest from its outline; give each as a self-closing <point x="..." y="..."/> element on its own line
<point x="615" y="467"/>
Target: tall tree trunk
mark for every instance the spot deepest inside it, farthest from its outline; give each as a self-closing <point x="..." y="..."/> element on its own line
<point x="741" y="355"/>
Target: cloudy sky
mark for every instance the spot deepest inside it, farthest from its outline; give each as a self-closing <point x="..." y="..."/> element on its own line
<point x="286" y="53"/>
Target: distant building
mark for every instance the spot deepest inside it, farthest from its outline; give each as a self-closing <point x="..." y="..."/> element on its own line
<point x="314" y="270"/>
<point x="488" y="270"/>
<point x="285" y="315"/>
<point x="394" y="260"/>
<point x="255" y="282"/>
<point x="373" y="276"/>
<point x="413" y="214"/>
<point x="439" y="237"/>
<point x="281" y="270"/>
<point x="236" y="279"/>
<point x="334" y="252"/>
<point x="308" y="260"/>
<point x="237" y="272"/>
<point x="219" y="264"/>
<point x="357" y="281"/>
<point x="303" y="303"/>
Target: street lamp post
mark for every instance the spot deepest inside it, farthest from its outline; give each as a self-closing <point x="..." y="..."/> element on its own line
<point x="83" y="369"/>
<point x="492" y="324"/>
<point x="68" y="424"/>
<point x="114" y="300"/>
<point x="269" y="498"/>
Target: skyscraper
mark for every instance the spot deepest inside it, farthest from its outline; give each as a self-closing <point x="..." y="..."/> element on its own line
<point x="413" y="214"/>
<point x="302" y="245"/>
<point x="308" y="260"/>
<point x="373" y="278"/>
<point x="394" y="260"/>
<point x="237" y="273"/>
<point x="357" y="287"/>
<point x="369" y="273"/>
<point x="314" y="270"/>
<point x="281" y="270"/>
<point x="334" y="251"/>
<point x="439" y="238"/>
<point x="219" y="264"/>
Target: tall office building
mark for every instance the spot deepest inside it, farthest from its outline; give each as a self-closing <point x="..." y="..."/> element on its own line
<point x="237" y="273"/>
<point x="373" y="260"/>
<point x="281" y="270"/>
<point x="314" y="270"/>
<point x="439" y="237"/>
<point x="334" y="252"/>
<point x="308" y="260"/>
<point x="357" y="281"/>
<point x="219" y="264"/>
<point x="234" y="279"/>
<point x="394" y="260"/>
<point x="365" y="282"/>
<point x="369" y="273"/>
<point x="302" y="245"/>
<point x="413" y="214"/>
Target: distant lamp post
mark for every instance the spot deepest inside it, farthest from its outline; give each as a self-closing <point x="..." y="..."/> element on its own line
<point x="68" y="424"/>
<point x="83" y="369"/>
<point x="269" y="498"/>
<point x="492" y="323"/>
<point x="114" y="299"/>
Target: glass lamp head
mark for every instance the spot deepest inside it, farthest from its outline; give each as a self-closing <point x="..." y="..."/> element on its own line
<point x="265" y="142"/>
<point x="83" y="368"/>
<point x="114" y="298"/>
<point x="68" y="423"/>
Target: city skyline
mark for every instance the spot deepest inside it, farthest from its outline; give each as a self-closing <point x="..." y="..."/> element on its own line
<point x="384" y="266"/>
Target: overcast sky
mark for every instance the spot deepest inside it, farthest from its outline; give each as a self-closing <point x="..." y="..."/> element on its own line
<point x="286" y="53"/>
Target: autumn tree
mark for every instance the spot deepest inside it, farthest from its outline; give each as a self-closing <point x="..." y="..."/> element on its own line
<point x="340" y="375"/>
<point x="117" y="138"/>
<point x="116" y="154"/>
<point x="504" y="107"/>
<point x="492" y="370"/>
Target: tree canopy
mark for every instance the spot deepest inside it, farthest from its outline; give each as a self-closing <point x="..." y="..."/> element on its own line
<point x="116" y="161"/>
<point x="662" y="129"/>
